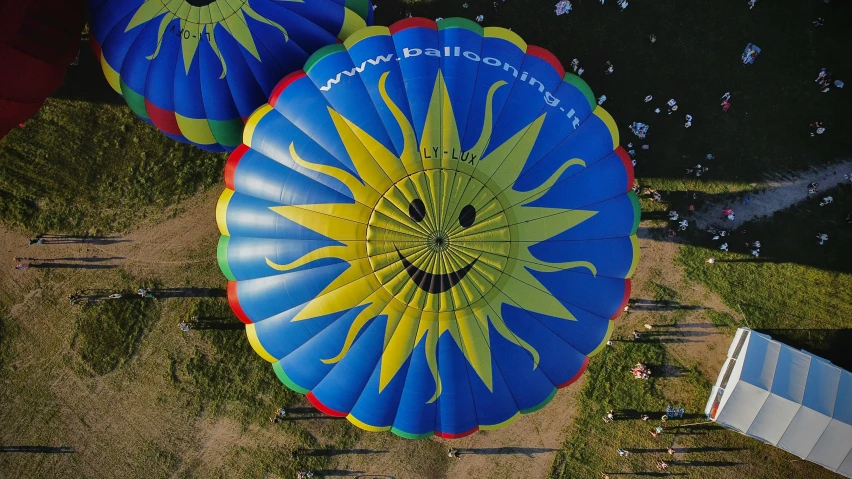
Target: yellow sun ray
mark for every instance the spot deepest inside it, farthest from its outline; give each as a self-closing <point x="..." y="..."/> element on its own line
<point x="197" y="24"/>
<point x="409" y="269"/>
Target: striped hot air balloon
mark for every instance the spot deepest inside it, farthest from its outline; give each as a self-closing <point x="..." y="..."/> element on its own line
<point x="196" y="69"/>
<point x="429" y="229"/>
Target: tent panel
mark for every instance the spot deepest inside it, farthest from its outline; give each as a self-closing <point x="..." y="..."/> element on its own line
<point x="804" y="432"/>
<point x="834" y="445"/>
<point x="791" y="374"/>
<point x="821" y="391"/>
<point x="843" y="408"/>
<point x="846" y="466"/>
<point x="742" y="406"/>
<point x="773" y="419"/>
<point x="760" y="361"/>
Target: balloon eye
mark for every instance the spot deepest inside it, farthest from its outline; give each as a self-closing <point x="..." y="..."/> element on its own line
<point x="417" y="210"/>
<point x="467" y="216"/>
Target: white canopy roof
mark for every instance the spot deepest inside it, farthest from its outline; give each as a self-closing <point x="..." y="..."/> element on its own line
<point x="789" y="398"/>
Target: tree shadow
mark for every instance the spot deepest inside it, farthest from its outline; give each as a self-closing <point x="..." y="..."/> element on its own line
<point x="189" y="293"/>
<point x="338" y="473"/>
<point x="91" y="259"/>
<point x="48" y="239"/>
<point x="86" y="81"/>
<point x="72" y="266"/>
<point x="39" y="449"/>
<point x="705" y="463"/>
<point x="337" y="452"/>
<point x="642" y="304"/>
<point x="526" y="451"/>
<point x="689" y="450"/>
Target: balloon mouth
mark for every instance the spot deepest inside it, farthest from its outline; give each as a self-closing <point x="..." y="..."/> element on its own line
<point x="438" y="241"/>
<point x="200" y="3"/>
<point x="434" y="283"/>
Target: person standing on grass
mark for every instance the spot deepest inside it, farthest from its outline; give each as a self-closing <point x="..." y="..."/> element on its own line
<point x="724" y="247"/>
<point x="726" y="105"/>
<point x="575" y="64"/>
<point x="822" y="237"/>
<point x="609" y="68"/>
<point x="653" y="39"/>
<point x="813" y="188"/>
<point x="623" y="452"/>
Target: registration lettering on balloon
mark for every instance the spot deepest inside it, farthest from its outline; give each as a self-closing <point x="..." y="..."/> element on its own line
<point x="419" y="262"/>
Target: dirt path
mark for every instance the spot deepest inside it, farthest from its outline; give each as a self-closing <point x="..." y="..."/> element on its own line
<point x="524" y="449"/>
<point x="782" y="191"/>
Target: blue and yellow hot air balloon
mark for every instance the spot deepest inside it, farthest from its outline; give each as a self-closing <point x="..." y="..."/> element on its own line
<point x="429" y="229"/>
<point x="196" y="69"/>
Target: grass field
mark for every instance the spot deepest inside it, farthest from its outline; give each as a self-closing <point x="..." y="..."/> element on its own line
<point x="136" y="397"/>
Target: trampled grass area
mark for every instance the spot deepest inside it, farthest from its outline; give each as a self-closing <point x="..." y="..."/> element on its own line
<point x="107" y="334"/>
<point x="89" y="167"/>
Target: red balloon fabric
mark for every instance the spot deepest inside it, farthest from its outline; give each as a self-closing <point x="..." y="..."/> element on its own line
<point x="38" y="41"/>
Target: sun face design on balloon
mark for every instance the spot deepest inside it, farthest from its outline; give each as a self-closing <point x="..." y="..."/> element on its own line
<point x="431" y="259"/>
<point x="198" y="19"/>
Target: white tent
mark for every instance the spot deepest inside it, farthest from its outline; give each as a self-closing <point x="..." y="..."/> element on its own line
<point x="786" y="397"/>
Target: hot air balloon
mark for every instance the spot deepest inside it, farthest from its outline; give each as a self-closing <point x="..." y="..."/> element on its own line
<point x="429" y="229"/>
<point x="38" y="41"/>
<point x="196" y="69"/>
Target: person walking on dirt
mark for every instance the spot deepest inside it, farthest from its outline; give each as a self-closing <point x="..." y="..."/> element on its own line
<point x="453" y="453"/>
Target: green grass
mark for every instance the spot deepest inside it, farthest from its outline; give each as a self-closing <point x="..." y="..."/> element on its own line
<point x="86" y="167"/>
<point x="797" y="291"/>
<point x="107" y="334"/>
